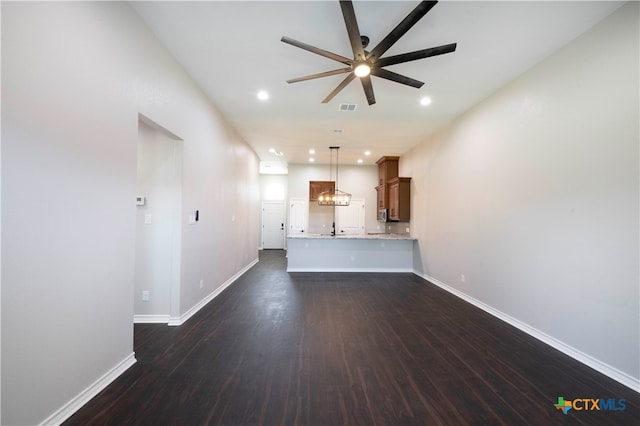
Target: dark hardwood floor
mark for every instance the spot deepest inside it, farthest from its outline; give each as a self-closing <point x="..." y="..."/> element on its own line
<point x="347" y="349"/>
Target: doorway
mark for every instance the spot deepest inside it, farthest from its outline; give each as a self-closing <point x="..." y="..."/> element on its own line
<point x="273" y="225"/>
<point x="158" y="232"/>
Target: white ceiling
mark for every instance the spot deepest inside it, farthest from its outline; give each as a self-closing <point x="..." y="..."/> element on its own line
<point x="232" y="49"/>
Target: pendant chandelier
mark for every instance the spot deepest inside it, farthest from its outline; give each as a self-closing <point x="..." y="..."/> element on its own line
<point x="335" y="197"/>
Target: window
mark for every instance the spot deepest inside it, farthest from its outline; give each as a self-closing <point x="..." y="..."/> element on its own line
<point x="274" y="191"/>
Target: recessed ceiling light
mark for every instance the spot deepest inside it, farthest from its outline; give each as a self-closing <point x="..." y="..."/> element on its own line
<point x="272" y="150"/>
<point x="359" y="160"/>
<point x="312" y="151"/>
<point x="425" y="101"/>
<point x="367" y="152"/>
<point x="263" y="95"/>
<point x="311" y="160"/>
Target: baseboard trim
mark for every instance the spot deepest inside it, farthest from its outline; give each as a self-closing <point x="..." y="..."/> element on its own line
<point x="177" y="321"/>
<point x="609" y="371"/>
<point x="151" y="319"/>
<point x="379" y="270"/>
<point x="86" y="395"/>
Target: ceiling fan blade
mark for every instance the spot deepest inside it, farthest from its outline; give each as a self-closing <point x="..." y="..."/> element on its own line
<point x="390" y="75"/>
<point x="350" y="21"/>
<point x="404" y="26"/>
<point x="316" y="50"/>
<point x="339" y="88"/>
<point x="368" y="89"/>
<point x="319" y="75"/>
<point x="418" y="54"/>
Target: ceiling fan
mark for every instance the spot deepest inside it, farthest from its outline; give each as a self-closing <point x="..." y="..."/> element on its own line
<point x="366" y="63"/>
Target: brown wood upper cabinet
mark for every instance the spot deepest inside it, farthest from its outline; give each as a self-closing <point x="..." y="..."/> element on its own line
<point x="317" y="187"/>
<point x="393" y="192"/>
<point x="387" y="169"/>
<point x="400" y="199"/>
<point x="381" y="196"/>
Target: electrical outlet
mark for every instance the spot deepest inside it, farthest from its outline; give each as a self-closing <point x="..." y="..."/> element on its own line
<point x="145" y="296"/>
<point x="201" y="283"/>
<point x="462" y="278"/>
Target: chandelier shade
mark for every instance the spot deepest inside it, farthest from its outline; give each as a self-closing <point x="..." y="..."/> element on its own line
<point x="334" y="198"/>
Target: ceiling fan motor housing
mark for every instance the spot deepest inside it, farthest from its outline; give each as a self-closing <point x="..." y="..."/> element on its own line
<point x="364" y="62"/>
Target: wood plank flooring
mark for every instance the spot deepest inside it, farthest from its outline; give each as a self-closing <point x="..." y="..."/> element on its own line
<point x="346" y="349"/>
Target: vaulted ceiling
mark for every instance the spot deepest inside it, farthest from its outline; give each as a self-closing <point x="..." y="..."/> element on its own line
<point x="233" y="50"/>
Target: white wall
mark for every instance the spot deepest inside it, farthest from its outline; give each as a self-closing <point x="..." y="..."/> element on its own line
<point x="360" y="181"/>
<point x="533" y="196"/>
<point x="75" y="76"/>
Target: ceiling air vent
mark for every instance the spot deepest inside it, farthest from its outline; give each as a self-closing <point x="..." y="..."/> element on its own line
<point x="347" y="107"/>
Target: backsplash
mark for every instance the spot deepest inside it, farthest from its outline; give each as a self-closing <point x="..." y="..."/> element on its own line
<point x="398" y="228"/>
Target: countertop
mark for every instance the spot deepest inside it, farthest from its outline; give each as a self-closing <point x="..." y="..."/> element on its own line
<point x="373" y="236"/>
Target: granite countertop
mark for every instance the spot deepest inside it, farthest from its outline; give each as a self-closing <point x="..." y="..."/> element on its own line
<point x="372" y="236"/>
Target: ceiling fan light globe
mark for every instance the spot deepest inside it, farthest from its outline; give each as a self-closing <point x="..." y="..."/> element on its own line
<point x="362" y="70"/>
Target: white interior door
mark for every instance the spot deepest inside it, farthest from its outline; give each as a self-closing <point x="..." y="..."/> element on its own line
<point x="273" y="225"/>
<point x="298" y="213"/>
<point x="350" y="219"/>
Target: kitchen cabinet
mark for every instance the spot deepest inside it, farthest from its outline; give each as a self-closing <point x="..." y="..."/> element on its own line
<point x="399" y="199"/>
<point x="381" y="196"/>
<point x="387" y="169"/>
<point x="393" y="192"/>
<point x="317" y="187"/>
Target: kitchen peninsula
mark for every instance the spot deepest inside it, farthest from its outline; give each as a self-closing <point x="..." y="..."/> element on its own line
<point x="350" y="253"/>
